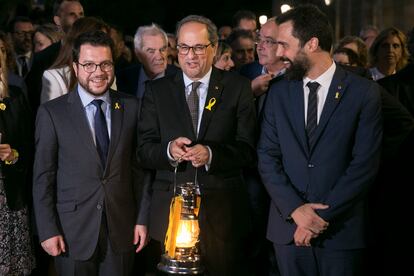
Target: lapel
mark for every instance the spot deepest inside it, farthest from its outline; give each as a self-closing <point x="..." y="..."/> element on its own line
<point x="78" y="119"/>
<point x="117" y="115"/>
<point x="297" y="112"/>
<point x="178" y="94"/>
<point x="215" y="89"/>
<point x="335" y="94"/>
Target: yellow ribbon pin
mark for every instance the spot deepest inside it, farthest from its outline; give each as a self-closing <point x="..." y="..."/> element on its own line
<point x="2" y="106"/>
<point x="211" y="102"/>
<point x="337" y="95"/>
<point x="117" y="106"/>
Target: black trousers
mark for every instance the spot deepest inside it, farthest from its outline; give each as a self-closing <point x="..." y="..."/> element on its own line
<point x="104" y="262"/>
<point x="314" y="261"/>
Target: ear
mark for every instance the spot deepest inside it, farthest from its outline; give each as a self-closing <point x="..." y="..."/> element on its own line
<point x="75" y="68"/>
<point x="312" y="44"/>
<point x="56" y="19"/>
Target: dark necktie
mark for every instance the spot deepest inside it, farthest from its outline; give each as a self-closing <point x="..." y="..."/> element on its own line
<point x="101" y="132"/>
<point x="192" y="102"/>
<point x="23" y="64"/>
<point x="312" y="115"/>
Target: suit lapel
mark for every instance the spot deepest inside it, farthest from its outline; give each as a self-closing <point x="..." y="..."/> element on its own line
<point x="336" y="91"/>
<point x="117" y="115"/>
<point x="178" y="93"/>
<point x="77" y="113"/>
<point x="298" y="112"/>
<point x="215" y="89"/>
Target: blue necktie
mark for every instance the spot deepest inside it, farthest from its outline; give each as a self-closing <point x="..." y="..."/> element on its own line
<point x="312" y="115"/>
<point x="101" y="132"/>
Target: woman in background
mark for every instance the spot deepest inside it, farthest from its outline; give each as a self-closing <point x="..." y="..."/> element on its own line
<point x="222" y="59"/>
<point x="45" y="35"/>
<point x="16" y="256"/>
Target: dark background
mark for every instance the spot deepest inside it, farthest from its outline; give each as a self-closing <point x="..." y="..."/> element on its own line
<point x="346" y="16"/>
<point x="129" y="14"/>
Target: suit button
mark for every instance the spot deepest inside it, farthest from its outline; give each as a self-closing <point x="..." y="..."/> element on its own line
<point x="99" y="206"/>
<point x="311" y="165"/>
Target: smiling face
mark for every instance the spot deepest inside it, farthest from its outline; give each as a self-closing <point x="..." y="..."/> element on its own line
<point x="195" y="66"/>
<point x="98" y="82"/>
<point x="290" y="50"/>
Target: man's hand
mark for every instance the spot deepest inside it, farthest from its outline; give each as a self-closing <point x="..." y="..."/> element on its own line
<point x="197" y="154"/>
<point x="177" y="148"/>
<point x="140" y="237"/>
<point x="261" y="84"/>
<point x="54" y="246"/>
<point x="302" y="236"/>
<point x="306" y="217"/>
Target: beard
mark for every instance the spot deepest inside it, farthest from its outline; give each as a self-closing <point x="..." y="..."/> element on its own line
<point x="298" y="67"/>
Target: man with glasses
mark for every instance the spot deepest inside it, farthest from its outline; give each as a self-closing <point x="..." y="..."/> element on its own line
<point x="201" y="121"/>
<point x="86" y="178"/>
<point x="22" y="31"/>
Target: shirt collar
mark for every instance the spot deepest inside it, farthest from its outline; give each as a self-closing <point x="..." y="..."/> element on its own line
<point x="324" y="79"/>
<point x="87" y="98"/>
<point x="204" y="80"/>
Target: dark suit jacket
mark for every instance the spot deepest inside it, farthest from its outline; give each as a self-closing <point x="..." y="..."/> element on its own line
<point x="401" y="86"/>
<point x="228" y="129"/>
<point x="16" y="129"/>
<point x="72" y="191"/>
<point x="337" y="171"/>
<point x="127" y="79"/>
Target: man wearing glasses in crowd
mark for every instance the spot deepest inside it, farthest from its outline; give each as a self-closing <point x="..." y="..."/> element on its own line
<point x="203" y="121"/>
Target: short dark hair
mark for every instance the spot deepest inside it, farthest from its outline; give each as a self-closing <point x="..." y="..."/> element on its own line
<point x="57" y="5"/>
<point x="94" y="38"/>
<point x="308" y="21"/>
<point x="242" y="14"/>
<point x="211" y="27"/>
<point x="17" y="19"/>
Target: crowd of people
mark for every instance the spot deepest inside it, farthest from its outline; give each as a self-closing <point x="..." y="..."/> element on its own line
<point x="301" y="147"/>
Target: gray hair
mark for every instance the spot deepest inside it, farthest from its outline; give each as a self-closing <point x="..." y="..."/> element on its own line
<point x="211" y="27"/>
<point x="153" y="30"/>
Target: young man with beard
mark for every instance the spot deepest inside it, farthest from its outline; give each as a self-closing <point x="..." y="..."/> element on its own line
<point x="318" y="152"/>
<point x="86" y="178"/>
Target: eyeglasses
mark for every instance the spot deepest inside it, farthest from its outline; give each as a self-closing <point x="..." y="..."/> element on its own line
<point x="267" y="42"/>
<point x="90" y="67"/>
<point x="198" y="49"/>
<point x="24" y="33"/>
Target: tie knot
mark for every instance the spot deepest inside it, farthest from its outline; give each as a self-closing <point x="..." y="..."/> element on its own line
<point x="97" y="103"/>
<point x="195" y="85"/>
<point x="313" y="86"/>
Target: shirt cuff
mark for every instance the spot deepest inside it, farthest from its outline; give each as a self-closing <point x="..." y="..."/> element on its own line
<point x="173" y="162"/>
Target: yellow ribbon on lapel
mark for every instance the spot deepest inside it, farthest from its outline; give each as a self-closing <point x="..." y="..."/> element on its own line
<point x="3" y="106"/>
<point x="211" y="103"/>
<point x="117" y="105"/>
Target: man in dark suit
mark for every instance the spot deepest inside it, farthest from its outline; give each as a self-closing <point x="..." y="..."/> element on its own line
<point x="318" y="152"/>
<point x="212" y="134"/>
<point x="151" y="44"/>
<point x="86" y="178"/>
